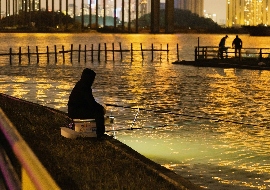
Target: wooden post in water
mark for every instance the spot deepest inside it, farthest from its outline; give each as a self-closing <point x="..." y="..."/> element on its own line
<point x="85" y="53"/>
<point x="20" y="55"/>
<point x="121" y="54"/>
<point x="105" y="46"/>
<point x="167" y="52"/>
<point x="131" y="49"/>
<point x="48" y="55"/>
<point x="63" y="51"/>
<point x="79" y="54"/>
<point x="196" y="52"/>
<point x="240" y="55"/>
<point x="10" y="56"/>
<point x="28" y="54"/>
<point x="203" y="53"/>
<point x="198" y="49"/>
<point x="55" y="54"/>
<point x="37" y="54"/>
<point x="92" y="52"/>
<point x="177" y="48"/>
<point x="152" y="52"/>
<point x="142" y="52"/>
<point x="71" y="53"/>
<point x="113" y="50"/>
<point x="160" y="53"/>
<point x="99" y="52"/>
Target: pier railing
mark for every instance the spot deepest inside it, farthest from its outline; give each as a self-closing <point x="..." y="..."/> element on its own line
<point x="13" y="150"/>
<point x="212" y="52"/>
<point x="89" y="53"/>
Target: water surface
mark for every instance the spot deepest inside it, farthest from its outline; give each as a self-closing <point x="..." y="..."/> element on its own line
<point x="210" y="125"/>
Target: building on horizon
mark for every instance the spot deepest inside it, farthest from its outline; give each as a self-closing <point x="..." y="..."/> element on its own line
<point x="123" y="10"/>
<point x="248" y="13"/>
<point x="29" y="5"/>
<point x="195" y="6"/>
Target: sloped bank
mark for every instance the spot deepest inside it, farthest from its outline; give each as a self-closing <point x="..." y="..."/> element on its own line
<point x="85" y="163"/>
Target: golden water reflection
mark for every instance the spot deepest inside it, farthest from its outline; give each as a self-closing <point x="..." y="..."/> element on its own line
<point x="209" y="125"/>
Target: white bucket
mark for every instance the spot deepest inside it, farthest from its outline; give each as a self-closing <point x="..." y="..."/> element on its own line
<point x="87" y="127"/>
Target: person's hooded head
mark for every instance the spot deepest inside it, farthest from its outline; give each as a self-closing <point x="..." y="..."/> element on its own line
<point x="88" y="76"/>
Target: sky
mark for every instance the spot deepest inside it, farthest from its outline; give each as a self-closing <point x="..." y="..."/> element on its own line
<point x="217" y="7"/>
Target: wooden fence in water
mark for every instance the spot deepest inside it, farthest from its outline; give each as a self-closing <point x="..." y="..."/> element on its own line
<point x="84" y="52"/>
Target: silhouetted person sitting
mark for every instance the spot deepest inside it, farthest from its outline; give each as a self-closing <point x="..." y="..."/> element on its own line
<point x="237" y="45"/>
<point x="82" y="105"/>
<point x="222" y="47"/>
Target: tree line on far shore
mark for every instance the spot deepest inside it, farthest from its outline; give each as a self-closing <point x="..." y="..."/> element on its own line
<point x="43" y="21"/>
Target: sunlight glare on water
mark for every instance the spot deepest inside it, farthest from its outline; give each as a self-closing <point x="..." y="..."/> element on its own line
<point x="209" y="125"/>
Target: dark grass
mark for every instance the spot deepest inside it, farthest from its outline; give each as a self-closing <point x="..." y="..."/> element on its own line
<point x="85" y="163"/>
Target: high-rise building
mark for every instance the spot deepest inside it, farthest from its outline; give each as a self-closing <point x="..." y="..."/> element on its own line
<point x="195" y="6"/>
<point x="248" y="12"/>
<point x="30" y="5"/>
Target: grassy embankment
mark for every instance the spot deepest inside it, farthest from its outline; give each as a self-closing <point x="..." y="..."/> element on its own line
<point x="85" y="163"/>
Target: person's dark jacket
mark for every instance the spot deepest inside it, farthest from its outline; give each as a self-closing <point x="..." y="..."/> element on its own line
<point x="222" y="42"/>
<point x="237" y="43"/>
<point x="82" y="104"/>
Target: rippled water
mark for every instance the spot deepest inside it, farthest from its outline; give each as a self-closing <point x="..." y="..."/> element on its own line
<point x="210" y="125"/>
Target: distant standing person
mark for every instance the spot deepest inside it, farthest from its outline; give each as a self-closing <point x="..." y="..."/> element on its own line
<point x="82" y="104"/>
<point x="237" y="45"/>
<point x="222" y="47"/>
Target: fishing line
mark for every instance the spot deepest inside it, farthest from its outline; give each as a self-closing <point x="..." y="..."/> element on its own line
<point x="134" y="120"/>
<point x="186" y="115"/>
<point x="146" y="127"/>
